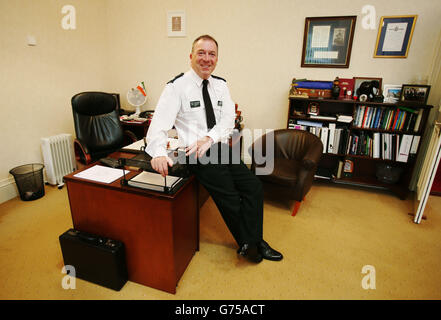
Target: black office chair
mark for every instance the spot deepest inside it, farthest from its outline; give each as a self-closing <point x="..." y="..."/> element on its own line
<point x="97" y="126"/>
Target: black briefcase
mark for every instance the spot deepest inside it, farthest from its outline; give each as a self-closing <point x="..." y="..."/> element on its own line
<point x="96" y="259"/>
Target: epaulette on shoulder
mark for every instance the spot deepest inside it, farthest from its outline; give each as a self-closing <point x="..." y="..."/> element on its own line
<point x="216" y="77"/>
<point x="178" y="76"/>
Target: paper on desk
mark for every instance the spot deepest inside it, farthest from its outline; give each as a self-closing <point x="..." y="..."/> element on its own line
<point x="135" y="145"/>
<point x="100" y="174"/>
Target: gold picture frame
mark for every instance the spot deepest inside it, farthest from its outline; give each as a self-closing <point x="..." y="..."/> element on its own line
<point x="394" y="36"/>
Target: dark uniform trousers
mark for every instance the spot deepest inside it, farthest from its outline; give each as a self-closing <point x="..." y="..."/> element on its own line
<point x="236" y="191"/>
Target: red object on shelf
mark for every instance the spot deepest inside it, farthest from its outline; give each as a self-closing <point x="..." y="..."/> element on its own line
<point x="347" y="84"/>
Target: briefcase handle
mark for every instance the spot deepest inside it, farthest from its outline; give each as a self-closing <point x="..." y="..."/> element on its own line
<point x="88" y="238"/>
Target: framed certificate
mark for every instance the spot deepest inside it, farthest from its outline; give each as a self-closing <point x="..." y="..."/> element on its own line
<point x="176" y="24"/>
<point x="327" y="41"/>
<point x="394" y="36"/>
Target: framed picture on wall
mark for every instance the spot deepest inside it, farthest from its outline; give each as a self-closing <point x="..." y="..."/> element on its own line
<point x="327" y="41"/>
<point x="394" y="36"/>
<point x="176" y="24"/>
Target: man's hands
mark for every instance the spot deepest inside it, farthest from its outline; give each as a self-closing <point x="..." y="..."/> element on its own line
<point x="200" y="147"/>
<point x="161" y="164"/>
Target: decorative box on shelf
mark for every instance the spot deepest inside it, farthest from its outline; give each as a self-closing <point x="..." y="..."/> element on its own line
<point x="310" y="89"/>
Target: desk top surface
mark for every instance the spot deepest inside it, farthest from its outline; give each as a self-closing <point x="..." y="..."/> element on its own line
<point x="129" y="173"/>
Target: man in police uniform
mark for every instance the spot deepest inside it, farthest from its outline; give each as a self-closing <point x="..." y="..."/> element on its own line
<point x="201" y="109"/>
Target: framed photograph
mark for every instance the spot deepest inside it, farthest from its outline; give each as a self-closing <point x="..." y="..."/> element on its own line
<point x="394" y="36"/>
<point x="414" y="93"/>
<point x="359" y="80"/>
<point x="176" y="24"/>
<point x="392" y="93"/>
<point x="327" y="41"/>
<point x="313" y="108"/>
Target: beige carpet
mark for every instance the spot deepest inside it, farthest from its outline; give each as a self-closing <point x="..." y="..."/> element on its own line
<point x="337" y="231"/>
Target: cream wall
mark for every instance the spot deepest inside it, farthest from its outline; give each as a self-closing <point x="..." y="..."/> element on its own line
<point x="118" y="43"/>
<point x="260" y="47"/>
<point x="36" y="83"/>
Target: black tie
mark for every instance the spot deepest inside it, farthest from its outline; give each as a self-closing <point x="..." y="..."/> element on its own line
<point x="211" y="120"/>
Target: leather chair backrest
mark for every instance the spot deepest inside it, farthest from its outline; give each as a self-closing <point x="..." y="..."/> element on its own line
<point x="293" y="144"/>
<point x="96" y="120"/>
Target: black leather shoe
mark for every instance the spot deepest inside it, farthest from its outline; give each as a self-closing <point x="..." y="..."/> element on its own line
<point x="251" y="252"/>
<point x="269" y="253"/>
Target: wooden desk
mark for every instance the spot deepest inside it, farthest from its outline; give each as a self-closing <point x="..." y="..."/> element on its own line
<point x="160" y="232"/>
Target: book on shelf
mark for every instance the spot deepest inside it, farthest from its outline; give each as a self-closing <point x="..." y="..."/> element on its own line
<point x="343" y="141"/>
<point x="309" y="123"/>
<point x="319" y="117"/>
<point x="339" y="169"/>
<point x="324" y="138"/>
<point x="376" y="145"/>
<point x="315" y="131"/>
<point x="414" y="147"/>
<point x="331" y="138"/>
<point x="415" y="143"/>
<point x="418" y="120"/>
<point x="378" y="117"/>
<point x="337" y="136"/>
<point x="349" y="144"/>
<point x="404" y="150"/>
<point x="344" y="118"/>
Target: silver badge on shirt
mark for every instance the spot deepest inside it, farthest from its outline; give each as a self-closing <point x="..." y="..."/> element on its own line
<point x="195" y="104"/>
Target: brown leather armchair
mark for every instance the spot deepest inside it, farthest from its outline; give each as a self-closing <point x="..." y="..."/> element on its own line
<point x="97" y="126"/>
<point x="296" y="156"/>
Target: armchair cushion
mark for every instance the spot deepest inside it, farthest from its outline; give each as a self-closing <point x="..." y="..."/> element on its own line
<point x="284" y="173"/>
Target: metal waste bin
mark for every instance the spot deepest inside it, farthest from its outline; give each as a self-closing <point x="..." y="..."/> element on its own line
<point x="29" y="180"/>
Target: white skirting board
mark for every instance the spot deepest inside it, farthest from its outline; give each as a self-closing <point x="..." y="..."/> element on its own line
<point x="8" y="189"/>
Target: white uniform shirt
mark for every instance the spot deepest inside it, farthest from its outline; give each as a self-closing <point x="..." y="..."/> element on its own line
<point x="181" y="104"/>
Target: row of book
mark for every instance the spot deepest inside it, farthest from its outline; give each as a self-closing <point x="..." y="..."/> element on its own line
<point x="386" y="146"/>
<point x="400" y="118"/>
<point x="334" y="139"/>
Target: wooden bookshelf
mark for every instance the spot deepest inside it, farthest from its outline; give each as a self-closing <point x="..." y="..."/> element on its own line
<point x="390" y="124"/>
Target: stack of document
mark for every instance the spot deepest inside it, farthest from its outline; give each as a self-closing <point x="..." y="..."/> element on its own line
<point x="100" y="174"/>
<point x="153" y="181"/>
<point x="344" y="118"/>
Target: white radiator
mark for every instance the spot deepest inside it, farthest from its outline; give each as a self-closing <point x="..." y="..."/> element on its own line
<point x="59" y="158"/>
